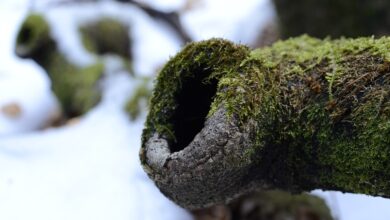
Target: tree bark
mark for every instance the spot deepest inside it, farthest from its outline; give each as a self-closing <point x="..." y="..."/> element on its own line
<point x="303" y="114"/>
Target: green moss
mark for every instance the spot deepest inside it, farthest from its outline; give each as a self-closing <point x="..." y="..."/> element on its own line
<point x="318" y="110"/>
<point x="107" y="36"/>
<point x="273" y="205"/>
<point x="333" y="18"/>
<point x="75" y="87"/>
<point x="294" y="58"/>
<point x="205" y="60"/>
<point x="141" y="94"/>
<point x="321" y="109"/>
<point x="33" y="36"/>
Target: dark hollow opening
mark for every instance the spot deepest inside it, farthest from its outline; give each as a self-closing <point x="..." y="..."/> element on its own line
<point x="24" y="35"/>
<point x="194" y="102"/>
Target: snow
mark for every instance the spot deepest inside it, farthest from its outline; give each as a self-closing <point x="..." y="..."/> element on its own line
<point x="22" y="82"/>
<point x="85" y="171"/>
<point x="31" y="93"/>
<point x="165" y="5"/>
<point x="152" y="43"/>
<point x="89" y="169"/>
<point x="347" y="206"/>
<point x="230" y="19"/>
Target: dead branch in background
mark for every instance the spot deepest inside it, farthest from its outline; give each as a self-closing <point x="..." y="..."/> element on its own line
<point x="172" y="19"/>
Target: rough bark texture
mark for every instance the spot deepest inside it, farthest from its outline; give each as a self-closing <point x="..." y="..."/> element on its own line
<point x="333" y="18"/>
<point x="300" y="115"/>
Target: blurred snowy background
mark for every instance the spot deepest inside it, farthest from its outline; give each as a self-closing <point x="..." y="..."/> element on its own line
<point x="88" y="168"/>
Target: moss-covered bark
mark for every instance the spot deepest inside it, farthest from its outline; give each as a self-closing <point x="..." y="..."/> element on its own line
<point x="76" y="87"/>
<point x="279" y="205"/>
<point x="268" y="205"/>
<point x="300" y="115"/>
<point x="107" y="36"/>
<point x="321" y="18"/>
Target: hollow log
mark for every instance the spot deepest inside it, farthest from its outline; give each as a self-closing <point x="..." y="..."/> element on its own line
<point x="300" y="115"/>
<point x="77" y="88"/>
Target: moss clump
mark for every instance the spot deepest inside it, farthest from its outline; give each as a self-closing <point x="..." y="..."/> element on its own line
<point x="333" y="18"/>
<point x="321" y="110"/>
<point x="141" y="93"/>
<point x="33" y="37"/>
<point x="278" y="205"/>
<point x="317" y="111"/>
<point x="76" y="87"/>
<point x="107" y="36"/>
<point x="203" y="62"/>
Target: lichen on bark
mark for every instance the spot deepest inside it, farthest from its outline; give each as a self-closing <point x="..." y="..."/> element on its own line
<point x="299" y="115"/>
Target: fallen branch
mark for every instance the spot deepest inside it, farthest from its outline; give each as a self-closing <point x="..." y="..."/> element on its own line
<point x="76" y="87"/>
<point x="300" y="115"/>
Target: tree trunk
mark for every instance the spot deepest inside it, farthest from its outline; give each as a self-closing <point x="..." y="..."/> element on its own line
<point x="321" y="18"/>
<point x="303" y="114"/>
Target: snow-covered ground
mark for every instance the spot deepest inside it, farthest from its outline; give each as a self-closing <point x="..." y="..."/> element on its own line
<point x="90" y="169"/>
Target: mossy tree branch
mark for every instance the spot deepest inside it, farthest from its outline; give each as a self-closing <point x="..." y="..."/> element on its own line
<point x="76" y="87"/>
<point x="300" y="115"/>
<point x="268" y="205"/>
<point x="107" y="36"/>
<point x="279" y="205"/>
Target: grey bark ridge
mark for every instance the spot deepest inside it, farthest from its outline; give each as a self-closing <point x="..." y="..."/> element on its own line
<point x="209" y="170"/>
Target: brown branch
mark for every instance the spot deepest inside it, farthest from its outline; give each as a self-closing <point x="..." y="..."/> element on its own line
<point x="172" y="19"/>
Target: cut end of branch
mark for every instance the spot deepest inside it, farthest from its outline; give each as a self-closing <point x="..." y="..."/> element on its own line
<point x="33" y="35"/>
<point x="184" y="149"/>
<point x="300" y="115"/>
